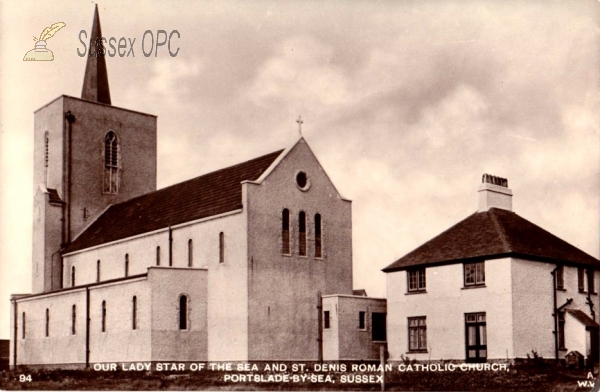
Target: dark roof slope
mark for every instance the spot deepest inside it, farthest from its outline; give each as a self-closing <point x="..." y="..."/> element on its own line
<point x="583" y="318"/>
<point x="493" y="234"/>
<point x="211" y="194"/>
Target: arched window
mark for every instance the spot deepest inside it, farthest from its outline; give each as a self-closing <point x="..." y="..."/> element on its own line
<point x="111" y="163"/>
<point x="285" y="231"/>
<point x="23" y="325"/>
<point x="190" y="253"/>
<point x="103" y="316"/>
<point x="134" y="313"/>
<point x="318" y="237"/>
<point x="74" y="320"/>
<point x="183" y="310"/>
<point x="158" y="255"/>
<point x="302" y="234"/>
<point x="73" y="276"/>
<point x="47" y="322"/>
<point x="221" y="247"/>
<point x="98" y="271"/>
<point x="127" y="264"/>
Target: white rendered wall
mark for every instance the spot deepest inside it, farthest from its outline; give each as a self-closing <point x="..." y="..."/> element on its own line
<point x="331" y="341"/>
<point x="445" y="304"/>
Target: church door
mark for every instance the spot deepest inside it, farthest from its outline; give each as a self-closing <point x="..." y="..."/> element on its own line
<point x="476" y="337"/>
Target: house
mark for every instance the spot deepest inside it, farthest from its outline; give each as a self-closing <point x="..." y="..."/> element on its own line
<point x="229" y="266"/>
<point x="493" y="287"/>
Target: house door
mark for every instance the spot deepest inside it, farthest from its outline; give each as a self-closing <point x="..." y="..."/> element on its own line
<point x="475" y="337"/>
<point x="594" y="346"/>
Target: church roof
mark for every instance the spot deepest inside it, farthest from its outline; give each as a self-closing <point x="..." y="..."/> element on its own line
<point x="208" y="195"/>
<point x="494" y="233"/>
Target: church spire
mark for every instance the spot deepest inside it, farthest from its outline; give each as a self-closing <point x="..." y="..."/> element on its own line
<point x="95" y="81"/>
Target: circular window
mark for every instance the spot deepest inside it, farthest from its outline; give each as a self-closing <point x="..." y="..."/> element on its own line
<point x="302" y="181"/>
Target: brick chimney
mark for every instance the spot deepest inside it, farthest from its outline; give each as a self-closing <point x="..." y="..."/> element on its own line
<point x="494" y="193"/>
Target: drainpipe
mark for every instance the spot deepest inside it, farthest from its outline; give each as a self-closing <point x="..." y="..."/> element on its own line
<point x="16" y="333"/>
<point x="320" y="320"/>
<point x="170" y="247"/>
<point x="555" y="314"/>
<point x="87" y="327"/>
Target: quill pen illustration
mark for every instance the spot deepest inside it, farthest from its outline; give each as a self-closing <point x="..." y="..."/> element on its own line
<point x="40" y="52"/>
<point x="50" y="31"/>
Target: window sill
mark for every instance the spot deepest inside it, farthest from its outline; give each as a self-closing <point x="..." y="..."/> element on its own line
<point x="561" y="289"/>
<point x="417" y="351"/>
<point x="380" y="341"/>
<point x="475" y="286"/>
<point x="287" y="254"/>
<point x="416" y="292"/>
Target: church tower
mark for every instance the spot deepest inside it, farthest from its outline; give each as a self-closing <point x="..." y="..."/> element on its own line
<point x="88" y="155"/>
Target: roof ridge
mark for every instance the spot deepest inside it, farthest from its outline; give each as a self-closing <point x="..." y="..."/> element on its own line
<point x="196" y="178"/>
<point x="500" y="229"/>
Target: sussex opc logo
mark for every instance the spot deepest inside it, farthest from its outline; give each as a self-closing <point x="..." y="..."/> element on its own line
<point x="40" y="52"/>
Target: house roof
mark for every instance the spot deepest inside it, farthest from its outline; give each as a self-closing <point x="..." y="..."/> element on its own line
<point x="583" y="318"/>
<point x="208" y="195"/>
<point x="494" y="233"/>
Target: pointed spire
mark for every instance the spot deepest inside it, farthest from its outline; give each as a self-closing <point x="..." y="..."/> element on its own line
<point x="95" y="81"/>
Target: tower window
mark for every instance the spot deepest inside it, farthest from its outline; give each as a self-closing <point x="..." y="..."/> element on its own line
<point x="302" y="234"/>
<point x="134" y="313"/>
<point x="74" y="320"/>
<point x="127" y="264"/>
<point x="221" y="247"/>
<point x="158" y="255"/>
<point x="285" y="231"/>
<point x="73" y="276"/>
<point x="111" y="163"/>
<point x="103" y="316"/>
<point x="190" y="253"/>
<point x="47" y="322"/>
<point x="183" y="310"/>
<point x="318" y="237"/>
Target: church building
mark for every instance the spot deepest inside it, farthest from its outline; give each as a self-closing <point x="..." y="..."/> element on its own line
<point x="229" y="266"/>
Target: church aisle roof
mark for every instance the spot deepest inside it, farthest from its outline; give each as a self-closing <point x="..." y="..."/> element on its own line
<point x="208" y="195"/>
<point x="492" y="234"/>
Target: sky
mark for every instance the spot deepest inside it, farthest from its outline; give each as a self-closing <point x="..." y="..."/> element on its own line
<point x="405" y="103"/>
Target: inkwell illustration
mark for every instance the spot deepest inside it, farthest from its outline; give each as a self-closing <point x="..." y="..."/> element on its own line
<point x="40" y="53"/>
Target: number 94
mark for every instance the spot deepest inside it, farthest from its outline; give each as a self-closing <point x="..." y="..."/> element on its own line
<point x="25" y="378"/>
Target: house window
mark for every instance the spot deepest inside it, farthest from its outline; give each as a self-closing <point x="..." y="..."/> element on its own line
<point x="23" y="325"/>
<point x="183" y="312"/>
<point x="221" y="247"/>
<point x="302" y="234"/>
<point x="474" y="274"/>
<point x="378" y="330"/>
<point x="318" y="237"/>
<point x="74" y="320"/>
<point x="591" y="283"/>
<point x="47" y="322"/>
<point x="158" y="255"/>
<point x="581" y="280"/>
<point x="416" y="280"/>
<point x="326" y="321"/>
<point x="361" y="320"/>
<point x="111" y="163"/>
<point x="560" y="277"/>
<point x="127" y="264"/>
<point x="134" y="313"/>
<point x="285" y="231"/>
<point x="73" y="276"/>
<point x="561" y="330"/>
<point x="476" y="337"/>
<point x="103" y="316"/>
<point x="98" y="271"/>
<point x="417" y="334"/>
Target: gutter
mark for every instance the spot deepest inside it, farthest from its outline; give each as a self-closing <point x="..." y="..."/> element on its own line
<point x="16" y="334"/>
<point x="555" y="314"/>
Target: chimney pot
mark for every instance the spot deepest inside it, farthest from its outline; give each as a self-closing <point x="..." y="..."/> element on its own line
<point x="494" y="193"/>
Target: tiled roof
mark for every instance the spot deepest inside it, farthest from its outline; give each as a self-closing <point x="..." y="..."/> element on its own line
<point x="583" y="318"/>
<point x="211" y="194"/>
<point x="493" y="234"/>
